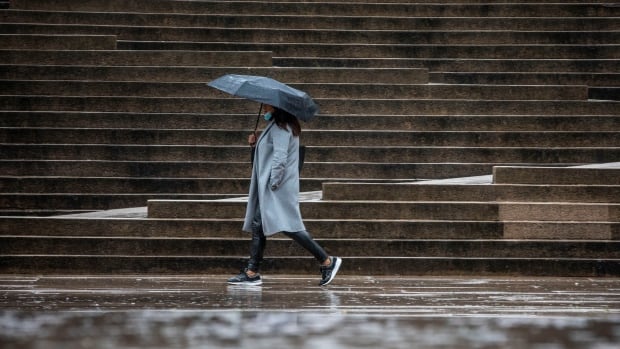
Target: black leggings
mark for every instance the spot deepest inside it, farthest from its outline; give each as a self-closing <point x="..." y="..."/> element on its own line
<point x="259" y="242"/>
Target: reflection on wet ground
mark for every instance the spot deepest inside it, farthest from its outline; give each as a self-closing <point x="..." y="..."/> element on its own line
<point x="292" y="312"/>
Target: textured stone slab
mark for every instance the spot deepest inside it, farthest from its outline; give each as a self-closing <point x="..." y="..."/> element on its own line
<point x="136" y="58"/>
<point x="280" y="246"/>
<point x="132" y="222"/>
<point x="360" y="35"/>
<point x="559" y="175"/>
<point x="305" y="21"/>
<point x="551" y="211"/>
<point x="327" y="105"/>
<point x="533" y="78"/>
<point x="379" y="266"/>
<point x="353" y="50"/>
<point x="365" y="121"/>
<point x="463" y="64"/>
<point x="562" y="230"/>
<point x="332" y="8"/>
<point x="468" y="192"/>
<point x="234" y="169"/>
<point x="205" y="74"/>
<point x="333" y="210"/>
<point x="135" y="185"/>
<point x="495" y="156"/>
<point x="316" y="90"/>
<point x="314" y="138"/>
<point x="56" y="42"/>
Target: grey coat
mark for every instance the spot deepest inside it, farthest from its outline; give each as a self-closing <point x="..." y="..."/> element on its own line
<point x="275" y="182"/>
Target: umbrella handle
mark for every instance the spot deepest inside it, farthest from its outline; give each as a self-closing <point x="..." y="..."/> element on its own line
<point x="252" y="146"/>
<point x="258" y="118"/>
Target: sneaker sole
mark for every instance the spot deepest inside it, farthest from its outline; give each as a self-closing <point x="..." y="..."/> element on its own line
<point x="334" y="272"/>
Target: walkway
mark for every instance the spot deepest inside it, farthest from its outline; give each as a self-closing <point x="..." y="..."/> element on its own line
<point x="292" y="312"/>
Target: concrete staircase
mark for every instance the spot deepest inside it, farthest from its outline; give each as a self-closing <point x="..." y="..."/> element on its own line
<point x="104" y="106"/>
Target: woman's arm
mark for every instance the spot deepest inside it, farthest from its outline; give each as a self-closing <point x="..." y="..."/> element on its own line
<point x="281" y="138"/>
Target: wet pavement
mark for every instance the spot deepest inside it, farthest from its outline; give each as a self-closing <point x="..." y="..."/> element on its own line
<point x="293" y="312"/>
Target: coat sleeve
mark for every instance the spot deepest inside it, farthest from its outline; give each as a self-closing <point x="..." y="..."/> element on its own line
<point x="281" y="139"/>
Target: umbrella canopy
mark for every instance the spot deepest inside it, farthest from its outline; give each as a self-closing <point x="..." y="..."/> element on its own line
<point x="268" y="91"/>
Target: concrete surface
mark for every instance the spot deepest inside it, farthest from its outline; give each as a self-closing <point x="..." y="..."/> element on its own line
<point x="292" y="312"/>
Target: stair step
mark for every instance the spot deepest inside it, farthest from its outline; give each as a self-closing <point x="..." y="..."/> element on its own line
<point x="610" y="51"/>
<point x="316" y="90"/>
<point x="551" y="175"/>
<point x="137" y="58"/>
<point x="464" y="64"/>
<point x="231" y="228"/>
<point x="551" y="211"/>
<point x="534" y="78"/>
<point x="327" y="106"/>
<point x="306" y="35"/>
<point x="332" y="210"/>
<point x="146" y="130"/>
<point x="568" y="156"/>
<point x="133" y="185"/>
<point x="429" y="210"/>
<point x="365" y="121"/>
<point x="562" y="230"/>
<point x="56" y="42"/>
<point x="205" y="74"/>
<point x="419" y="191"/>
<point x="201" y="169"/>
<point x="48" y="204"/>
<point x="313" y="137"/>
<point x="348" y="21"/>
<point x="282" y="247"/>
<point x="76" y="265"/>
<point x="329" y="8"/>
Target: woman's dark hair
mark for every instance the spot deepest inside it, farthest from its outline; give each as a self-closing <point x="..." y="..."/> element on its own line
<point x="283" y="118"/>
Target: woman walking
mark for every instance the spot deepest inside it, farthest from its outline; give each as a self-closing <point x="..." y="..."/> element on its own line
<point x="273" y="204"/>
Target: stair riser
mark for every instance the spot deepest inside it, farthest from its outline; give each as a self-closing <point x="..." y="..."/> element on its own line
<point x="325" y="122"/>
<point x="538" y="193"/>
<point x="50" y="42"/>
<point x="335" y="171"/>
<point x="137" y="58"/>
<point x="64" y="203"/>
<point x="325" y="36"/>
<point x="549" y="175"/>
<point x="323" y="90"/>
<point x="561" y="230"/>
<point x="90" y="168"/>
<point x="509" y="156"/>
<point x="328" y="106"/>
<point x="287" y="247"/>
<point x="341" y="210"/>
<point x="50" y="265"/>
<point x="459" y="64"/>
<point x="329" y="9"/>
<point x="560" y="212"/>
<point x="403" y="210"/>
<point x="231" y="228"/>
<point x="136" y="185"/>
<point x="392" y="51"/>
<point x="202" y="75"/>
<point x="599" y="79"/>
<point x="311" y="22"/>
<point x="313" y="138"/>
